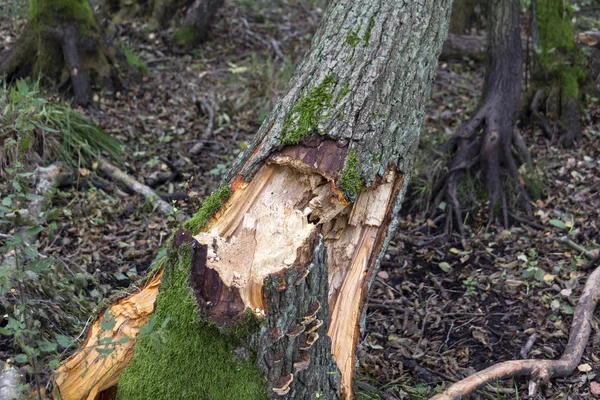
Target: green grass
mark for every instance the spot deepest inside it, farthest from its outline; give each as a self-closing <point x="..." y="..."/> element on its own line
<point x="30" y="125"/>
<point x="135" y="61"/>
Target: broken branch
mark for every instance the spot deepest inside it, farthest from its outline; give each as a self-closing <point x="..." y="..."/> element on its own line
<point x="140" y="188"/>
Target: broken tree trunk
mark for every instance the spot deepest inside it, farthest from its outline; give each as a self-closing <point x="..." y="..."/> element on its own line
<point x="270" y="277"/>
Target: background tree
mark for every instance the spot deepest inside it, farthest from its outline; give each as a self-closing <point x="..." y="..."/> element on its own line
<point x="462" y="15"/>
<point x="558" y="70"/>
<point x="295" y="236"/>
<point x="64" y="44"/>
<point x="193" y="16"/>
<point x="492" y="149"/>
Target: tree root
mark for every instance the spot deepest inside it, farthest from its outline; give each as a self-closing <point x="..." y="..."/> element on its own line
<point x="494" y="151"/>
<point x="568" y="125"/>
<point x="80" y="61"/>
<point x="540" y="371"/>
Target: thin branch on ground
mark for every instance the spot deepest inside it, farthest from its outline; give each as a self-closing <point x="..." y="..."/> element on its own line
<point x="574" y="246"/>
<point x="205" y="107"/>
<point x="141" y="189"/>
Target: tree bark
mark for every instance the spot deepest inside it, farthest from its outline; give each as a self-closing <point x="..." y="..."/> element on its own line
<point x="64" y="44"/>
<point x="297" y="233"/>
<point x="195" y="16"/>
<point x="194" y="28"/>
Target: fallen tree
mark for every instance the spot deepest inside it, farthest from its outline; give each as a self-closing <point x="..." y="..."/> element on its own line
<point x="262" y="293"/>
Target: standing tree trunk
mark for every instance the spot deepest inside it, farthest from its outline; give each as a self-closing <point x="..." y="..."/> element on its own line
<point x="497" y="114"/>
<point x="558" y="70"/>
<point x="270" y="277"/>
<point x="194" y="16"/>
<point x="63" y="43"/>
<point x="462" y="13"/>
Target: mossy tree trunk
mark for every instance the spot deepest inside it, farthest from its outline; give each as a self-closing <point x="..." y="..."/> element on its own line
<point x="462" y="14"/>
<point x="558" y="70"/>
<point x="193" y="17"/>
<point x="63" y="43"/>
<point x="491" y="151"/>
<point x="266" y="285"/>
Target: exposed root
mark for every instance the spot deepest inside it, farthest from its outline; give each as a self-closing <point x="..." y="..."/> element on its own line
<point x="66" y="59"/>
<point x="540" y="371"/>
<point x="494" y="152"/>
<point x="567" y="125"/>
<point x="536" y="104"/>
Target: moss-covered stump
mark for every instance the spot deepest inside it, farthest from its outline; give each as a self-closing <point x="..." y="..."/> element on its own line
<point x="64" y="44"/>
<point x="558" y="71"/>
<point x="180" y="352"/>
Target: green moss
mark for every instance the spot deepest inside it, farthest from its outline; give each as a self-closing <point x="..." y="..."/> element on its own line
<point x="558" y="57"/>
<point x="44" y="13"/>
<point x="343" y="91"/>
<point x="186" y="36"/>
<point x="556" y="31"/>
<point x="210" y="206"/>
<point x="308" y="112"/>
<point x="182" y="357"/>
<point x="351" y="181"/>
<point x="534" y="184"/>
<point x="135" y="61"/>
<point x="367" y="35"/>
<point x="352" y="37"/>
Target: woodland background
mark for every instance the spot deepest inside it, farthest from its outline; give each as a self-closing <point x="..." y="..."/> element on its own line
<point x="443" y="305"/>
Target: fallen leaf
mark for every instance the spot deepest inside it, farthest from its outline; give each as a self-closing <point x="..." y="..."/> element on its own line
<point x="444" y="266"/>
<point x="584" y="367"/>
<point x="595" y="388"/>
<point x="566" y="292"/>
<point x="383" y="275"/>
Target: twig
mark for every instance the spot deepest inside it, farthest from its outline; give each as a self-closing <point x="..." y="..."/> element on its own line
<point x="592" y="263"/>
<point x="139" y="188"/>
<point x="574" y="246"/>
<point x="528" y="345"/>
<point x="203" y="105"/>
<point x="540" y="371"/>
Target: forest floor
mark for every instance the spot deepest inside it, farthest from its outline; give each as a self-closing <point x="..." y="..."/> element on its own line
<point x="442" y="307"/>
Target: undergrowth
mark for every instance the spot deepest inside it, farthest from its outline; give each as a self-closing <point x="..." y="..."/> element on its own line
<point x="44" y="300"/>
<point x="40" y="131"/>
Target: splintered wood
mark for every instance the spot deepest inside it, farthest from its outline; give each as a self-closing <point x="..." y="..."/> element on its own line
<point x="261" y="230"/>
<point x="90" y="370"/>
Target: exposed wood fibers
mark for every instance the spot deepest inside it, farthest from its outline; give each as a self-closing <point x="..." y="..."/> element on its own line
<point x="260" y="231"/>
